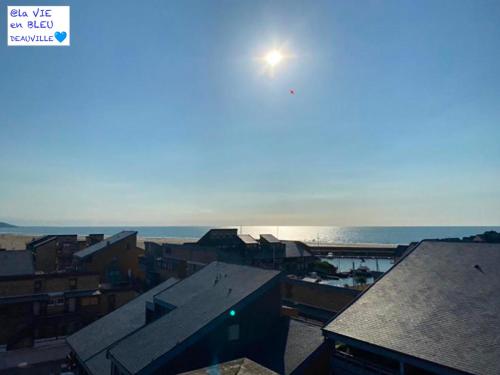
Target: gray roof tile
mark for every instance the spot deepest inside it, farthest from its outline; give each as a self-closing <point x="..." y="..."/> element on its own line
<point x="242" y="366"/>
<point x="103" y="244"/>
<point x="296" y="249"/>
<point x="434" y="305"/>
<point x="198" y="300"/>
<point x="98" y="336"/>
<point x="269" y="238"/>
<point x="16" y="263"/>
<point x="247" y="239"/>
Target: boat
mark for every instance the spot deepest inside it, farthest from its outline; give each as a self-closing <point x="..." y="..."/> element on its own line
<point x="329" y="255"/>
<point x="362" y="271"/>
<point x="312" y="277"/>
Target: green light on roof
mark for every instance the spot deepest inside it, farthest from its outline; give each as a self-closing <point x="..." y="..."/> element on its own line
<point x="232" y="312"/>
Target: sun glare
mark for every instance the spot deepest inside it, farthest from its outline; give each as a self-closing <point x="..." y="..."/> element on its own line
<point x="273" y="58"/>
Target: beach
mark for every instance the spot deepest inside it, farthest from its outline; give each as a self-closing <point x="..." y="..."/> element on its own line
<point x="317" y="235"/>
<point x="19" y="241"/>
<point x="14" y="241"/>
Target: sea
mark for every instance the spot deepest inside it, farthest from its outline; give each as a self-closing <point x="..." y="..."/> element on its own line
<point x="313" y="234"/>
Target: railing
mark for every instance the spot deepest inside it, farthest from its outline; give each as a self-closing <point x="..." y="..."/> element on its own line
<point x="351" y="363"/>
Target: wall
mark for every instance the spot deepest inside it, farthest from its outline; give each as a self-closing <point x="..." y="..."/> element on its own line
<point x="15" y="328"/>
<point x="45" y="257"/>
<point x="24" y="320"/>
<point x="255" y="320"/>
<point x="125" y="253"/>
<point x="119" y="296"/>
<point x="321" y="296"/>
<point x="48" y="283"/>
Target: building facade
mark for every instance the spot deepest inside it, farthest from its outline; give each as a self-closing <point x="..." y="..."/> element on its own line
<point x="115" y="259"/>
<point x="225" y="245"/>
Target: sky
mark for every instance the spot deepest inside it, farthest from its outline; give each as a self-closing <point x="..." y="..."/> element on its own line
<point x="160" y="113"/>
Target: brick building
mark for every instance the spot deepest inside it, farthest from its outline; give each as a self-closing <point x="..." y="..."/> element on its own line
<point x="36" y="305"/>
<point x="55" y="252"/>
<point x="224" y="245"/>
<point x="115" y="259"/>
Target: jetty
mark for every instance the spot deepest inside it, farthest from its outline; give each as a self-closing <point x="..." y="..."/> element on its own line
<point x="365" y="250"/>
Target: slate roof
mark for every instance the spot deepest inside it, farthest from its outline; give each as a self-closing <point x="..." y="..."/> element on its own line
<point x="289" y="346"/>
<point x="269" y="238"/>
<point x="303" y="340"/>
<point x="242" y="366"/>
<point x="441" y="303"/>
<point x="196" y="301"/>
<point x="35" y="242"/>
<point x="296" y="249"/>
<point x="16" y="263"/>
<point x="103" y="244"/>
<point x="208" y="237"/>
<point x="42" y="241"/>
<point x="51" y="350"/>
<point x="247" y="239"/>
<point x="91" y="342"/>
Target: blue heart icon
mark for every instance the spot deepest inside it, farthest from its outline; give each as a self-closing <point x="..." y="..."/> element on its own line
<point x="60" y="36"/>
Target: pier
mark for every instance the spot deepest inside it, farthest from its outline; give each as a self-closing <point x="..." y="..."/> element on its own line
<point x="366" y="250"/>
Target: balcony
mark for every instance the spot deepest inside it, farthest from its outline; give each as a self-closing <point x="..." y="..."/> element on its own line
<point x="344" y="363"/>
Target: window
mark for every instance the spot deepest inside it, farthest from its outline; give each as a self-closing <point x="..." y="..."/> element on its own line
<point x="73" y="283"/>
<point x="38" y="286"/>
<point x="233" y="332"/>
<point x="56" y="301"/>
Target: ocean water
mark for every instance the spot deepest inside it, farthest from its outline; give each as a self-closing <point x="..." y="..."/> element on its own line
<point x="322" y="235"/>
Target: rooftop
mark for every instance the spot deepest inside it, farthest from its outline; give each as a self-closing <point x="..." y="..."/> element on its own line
<point x="269" y="238"/>
<point x="289" y="346"/>
<point x="91" y="342"/>
<point x="247" y="239"/>
<point x="16" y="263"/>
<point x="303" y="339"/>
<point x="103" y="244"/>
<point x="197" y="302"/>
<point x="36" y="241"/>
<point x="41" y="241"/>
<point x="41" y="352"/>
<point x="242" y="366"/>
<point x="439" y="304"/>
<point x="296" y="249"/>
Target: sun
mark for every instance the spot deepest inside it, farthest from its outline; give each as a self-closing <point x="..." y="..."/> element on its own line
<point x="273" y="58"/>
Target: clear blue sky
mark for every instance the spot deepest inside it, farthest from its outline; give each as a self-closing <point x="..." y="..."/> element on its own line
<point x="158" y="114"/>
